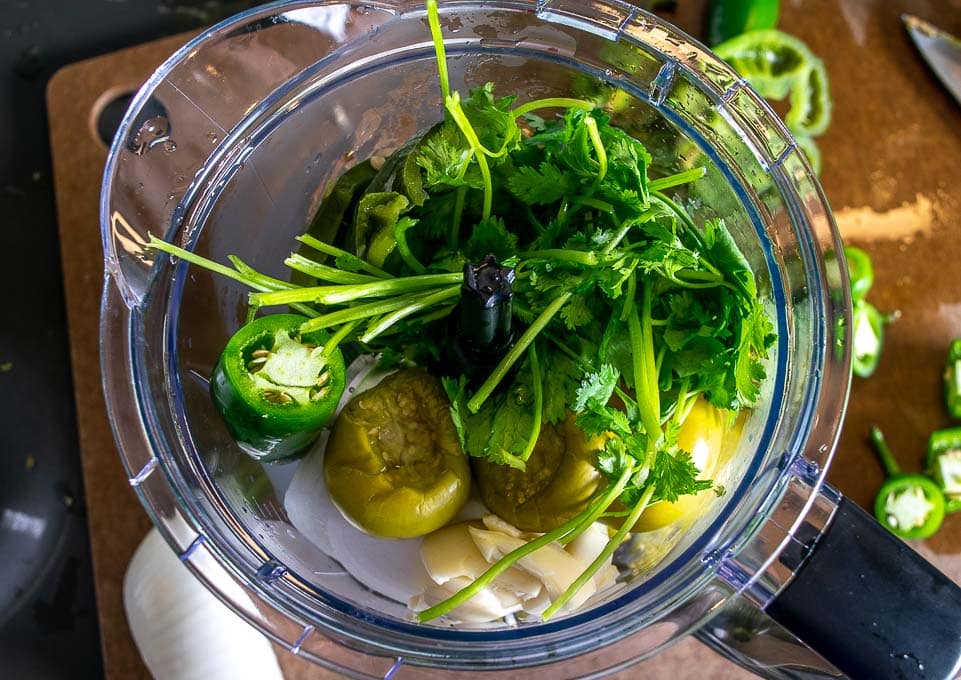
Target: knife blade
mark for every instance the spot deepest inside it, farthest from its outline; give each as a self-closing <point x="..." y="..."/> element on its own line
<point x="941" y="50"/>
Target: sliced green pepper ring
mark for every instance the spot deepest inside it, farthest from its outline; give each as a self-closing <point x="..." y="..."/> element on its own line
<point x="860" y="271"/>
<point x="910" y="506"/>
<point x="944" y="465"/>
<point x="276" y="388"/>
<point x="728" y="18"/>
<point x="952" y="379"/>
<point x="867" y="339"/>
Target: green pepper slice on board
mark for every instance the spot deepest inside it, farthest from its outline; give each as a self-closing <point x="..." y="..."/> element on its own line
<point x="911" y="506"/>
<point x="952" y="379"/>
<point x="944" y="464"/>
<point x="728" y="18"/>
<point x="867" y="338"/>
<point x="275" y="388"/>
<point x="860" y="272"/>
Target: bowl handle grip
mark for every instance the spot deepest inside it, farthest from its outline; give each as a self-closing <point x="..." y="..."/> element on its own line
<point x="872" y="606"/>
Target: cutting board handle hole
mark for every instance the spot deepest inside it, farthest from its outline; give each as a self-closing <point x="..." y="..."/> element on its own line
<point x="110" y="113"/>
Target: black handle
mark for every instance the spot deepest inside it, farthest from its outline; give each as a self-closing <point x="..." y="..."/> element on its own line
<point x="871" y="605"/>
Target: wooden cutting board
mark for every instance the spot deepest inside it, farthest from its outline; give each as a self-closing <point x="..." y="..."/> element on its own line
<point x="892" y="164"/>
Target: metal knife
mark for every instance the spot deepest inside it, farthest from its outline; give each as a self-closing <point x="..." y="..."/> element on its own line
<point x="941" y="50"/>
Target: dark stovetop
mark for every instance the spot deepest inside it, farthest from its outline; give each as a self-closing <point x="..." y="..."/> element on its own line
<point x="48" y="620"/>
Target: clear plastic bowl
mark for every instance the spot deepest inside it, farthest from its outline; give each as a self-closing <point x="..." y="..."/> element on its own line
<point x="228" y="148"/>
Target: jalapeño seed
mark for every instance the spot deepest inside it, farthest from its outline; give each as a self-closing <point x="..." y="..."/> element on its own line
<point x="256" y="364"/>
<point x="278" y="397"/>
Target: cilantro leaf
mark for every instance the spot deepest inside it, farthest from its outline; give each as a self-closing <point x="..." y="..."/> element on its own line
<point x="675" y="475"/>
<point x="561" y="378"/>
<point x="543" y="185"/>
<point x="722" y="251"/>
<point x="576" y="313"/>
<point x="491" y="118"/>
<point x="490" y="236"/>
<point x="456" y="390"/>
<point x="596" y="389"/>
<point x="445" y="156"/>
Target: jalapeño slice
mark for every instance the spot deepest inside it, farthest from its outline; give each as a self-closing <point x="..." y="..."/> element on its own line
<point x="276" y="388"/>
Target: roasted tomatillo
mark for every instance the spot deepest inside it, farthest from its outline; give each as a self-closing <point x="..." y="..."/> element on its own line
<point x="560" y="479"/>
<point x="275" y="388"/>
<point x="393" y="463"/>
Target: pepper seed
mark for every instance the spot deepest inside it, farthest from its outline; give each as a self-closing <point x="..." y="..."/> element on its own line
<point x="256" y="364"/>
<point x="278" y="397"/>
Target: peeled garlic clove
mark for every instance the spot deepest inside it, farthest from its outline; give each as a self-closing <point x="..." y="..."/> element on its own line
<point x="450" y="553"/>
<point x="589" y="544"/>
<point x="493" y="545"/>
<point x="605" y="577"/>
<point x="485" y="606"/>
<point x="517" y="583"/>
<point x="555" y="568"/>
<point x="495" y="523"/>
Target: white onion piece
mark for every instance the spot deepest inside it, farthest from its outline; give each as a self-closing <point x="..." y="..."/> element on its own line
<point x="391" y="567"/>
<point x="182" y="630"/>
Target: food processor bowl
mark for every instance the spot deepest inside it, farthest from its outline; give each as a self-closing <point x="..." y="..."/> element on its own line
<point x="228" y="150"/>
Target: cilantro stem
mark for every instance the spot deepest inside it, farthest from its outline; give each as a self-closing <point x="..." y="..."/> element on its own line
<point x="588" y="258"/>
<point x="645" y="378"/>
<point x="515" y="352"/>
<point x="268" y="282"/>
<point x="618" y="237"/>
<point x="433" y="20"/>
<point x="332" y="295"/>
<point x="337" y="337"/>
<point x="601" y="559"/>
<point x="400" y="235"/>
<point x="333" y="251"/>
<point x="361" y="311"/>
<point x="575" y="524"/>
<point x="156" y="244"/>
<point x="452" y="103"/>
<point x="322" y="272"/>
<point x="568" y="351"/>
<point x="629" y="296"/>
<point x="454" y="237"/>
<point x="553" y="103"/>
<point x="596" y="203"/>
<point x="685" y="177"/>
<point x="595" y="136"/>
<point x="248" y="276"/>
<point x="538" y="385"/>
<point x="423" y="303"/>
